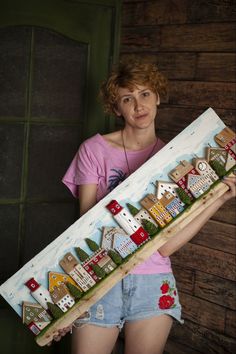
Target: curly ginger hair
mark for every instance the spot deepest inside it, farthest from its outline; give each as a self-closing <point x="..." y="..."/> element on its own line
<point x="128" y="74"/>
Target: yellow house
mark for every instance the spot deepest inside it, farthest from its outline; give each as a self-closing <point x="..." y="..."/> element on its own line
<point x="55" y="279"/>
<point x="156" y="210"/>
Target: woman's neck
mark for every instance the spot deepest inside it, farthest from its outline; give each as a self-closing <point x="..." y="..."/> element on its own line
<point x="138" y="139"/>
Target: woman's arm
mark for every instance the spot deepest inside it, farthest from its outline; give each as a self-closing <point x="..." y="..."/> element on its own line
<point x="87" y="197"/>
<point x="189" y="231"/>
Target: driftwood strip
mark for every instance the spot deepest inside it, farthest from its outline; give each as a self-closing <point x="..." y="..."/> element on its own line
<point x="141" y="255"/>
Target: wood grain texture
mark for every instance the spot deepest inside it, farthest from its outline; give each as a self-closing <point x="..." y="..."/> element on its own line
<point x="217" y="235"/>
<point x="202" y="11"/>
<point x="230" y="323"/>
<point x="155" y="12"/>
<point x="180" y="11"/>
<point x="227" y="213"/>
<point x="178" y="348"/>
<point x="216" y="67"/>
<point x="147" y="38"/>
<point x="180" y="38"/>
<point x="207" y="260"/>
<point x="176" y="117"/>
<point x="202" y="94"/>
<point x="202" y="312"/>
<point x="201" y="338"/>
<point x="207" y="37"/>
<point x="172" y="65"/>
<point x="215" y="289"/>
<point x="185" y="278"/>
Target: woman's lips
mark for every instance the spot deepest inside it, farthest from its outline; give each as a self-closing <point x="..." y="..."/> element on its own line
<point x="140" y="116"/>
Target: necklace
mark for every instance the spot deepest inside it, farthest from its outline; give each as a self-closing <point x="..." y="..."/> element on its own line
<point x="125" y="152"/>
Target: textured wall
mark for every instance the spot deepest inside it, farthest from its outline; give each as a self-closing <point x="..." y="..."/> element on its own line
<point x="193" y="42"/>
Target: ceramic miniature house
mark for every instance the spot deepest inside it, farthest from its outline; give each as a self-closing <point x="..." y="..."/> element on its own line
<point x="144" y="215"/>
<point x="35" y="316"/>
<point x="55" y="279"/>
<point x="108" y="236"/>
<point x="72" y="267"/>
<point x="179" y="175"/>
<point x="123" y="245"/>
<point x="124" y="218"/>
<point x="101" y="259"/>
<point x="197" y="184"/>
<point x="165" y="186"/>
<point x="221" y="155"/>
<point x="41" y="294"/>
<point x="156" y="210"/>
<point x="227" y="139"/>
<point x="115" y="238"/>
<point x="62" y="298"/>
<point x="172" y="204"/>
<point x="204" y="169"/>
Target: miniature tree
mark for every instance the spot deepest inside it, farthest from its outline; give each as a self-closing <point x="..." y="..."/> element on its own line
<point x="133" y="210"/>
<point x="82" y="255"/>
<point x="183" y="196"/>
<point x="55" y="311"/>
<point x="218" y="168"/>
<point x="75" y="292"/>
<point x="92" y="244"/>
<point x="116" y="257"/>
<point x="149" y="227"/>
<point x="98" y="270"/>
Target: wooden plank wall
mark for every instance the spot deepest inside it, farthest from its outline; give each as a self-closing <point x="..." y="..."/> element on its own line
<point x="193" y="42"/>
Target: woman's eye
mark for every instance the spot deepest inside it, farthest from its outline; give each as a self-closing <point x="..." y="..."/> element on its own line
<point x="146" y="93"/>
<point x="126" y="99"/>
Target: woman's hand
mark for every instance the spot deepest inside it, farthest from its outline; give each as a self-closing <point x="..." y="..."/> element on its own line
<point x="61" y="333"/>
<point x="231" y="193"/>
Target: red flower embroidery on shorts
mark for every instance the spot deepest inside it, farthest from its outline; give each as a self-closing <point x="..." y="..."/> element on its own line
<point x="164" y="288"/>
<point x="166" y="302"/>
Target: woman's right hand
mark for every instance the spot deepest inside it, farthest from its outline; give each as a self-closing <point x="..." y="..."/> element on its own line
<point x="61" y="333"/>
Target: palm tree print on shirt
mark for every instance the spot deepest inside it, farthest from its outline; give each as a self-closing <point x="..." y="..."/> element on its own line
<point x="116" y="178"/>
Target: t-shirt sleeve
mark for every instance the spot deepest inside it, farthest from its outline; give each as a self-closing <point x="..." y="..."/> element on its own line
<point x="82" y="170"/>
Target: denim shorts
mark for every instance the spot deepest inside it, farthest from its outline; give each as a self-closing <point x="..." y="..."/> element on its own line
<point x="136" y="297"/>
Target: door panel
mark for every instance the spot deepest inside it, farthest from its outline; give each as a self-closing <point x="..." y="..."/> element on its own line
<point x="59" y="76"/>
<point x="53" y="56"/>
<point x="14" y="49"/>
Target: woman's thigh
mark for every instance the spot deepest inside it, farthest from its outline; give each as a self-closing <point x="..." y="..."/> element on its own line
<point x="92" y="339"/>
<point x="147" y="336"/>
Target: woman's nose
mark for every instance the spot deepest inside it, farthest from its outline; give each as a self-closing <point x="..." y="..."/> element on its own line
<point x="137" y="105"/>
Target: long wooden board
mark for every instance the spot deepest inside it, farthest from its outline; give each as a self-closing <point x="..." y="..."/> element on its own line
<point x="192" y="140"/>
<point x="140" y="256"/>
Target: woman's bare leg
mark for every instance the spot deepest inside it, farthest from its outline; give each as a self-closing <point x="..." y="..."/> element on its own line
<point x="91" y="339"/>
<point x="147" y="336"/>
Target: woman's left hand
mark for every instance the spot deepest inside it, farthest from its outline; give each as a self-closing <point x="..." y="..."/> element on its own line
<point x="231" y="193"/>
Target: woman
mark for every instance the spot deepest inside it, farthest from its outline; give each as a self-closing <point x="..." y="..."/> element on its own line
<point x="132" y="92"/>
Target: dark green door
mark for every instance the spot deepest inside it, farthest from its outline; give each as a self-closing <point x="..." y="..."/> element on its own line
<point x="53" y="55"/>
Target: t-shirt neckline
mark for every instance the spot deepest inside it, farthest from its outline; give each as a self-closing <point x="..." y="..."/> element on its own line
<point x="106" y="144"/>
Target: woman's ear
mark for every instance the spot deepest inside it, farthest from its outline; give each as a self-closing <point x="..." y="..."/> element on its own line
<point x="158" y="99"/>
<point x="117" y="112"/>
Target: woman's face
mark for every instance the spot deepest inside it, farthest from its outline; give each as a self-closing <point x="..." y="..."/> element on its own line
<point x="138" y="107"/>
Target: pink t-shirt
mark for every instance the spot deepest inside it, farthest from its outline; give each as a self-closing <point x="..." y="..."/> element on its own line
<point x="97" y="162"/>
